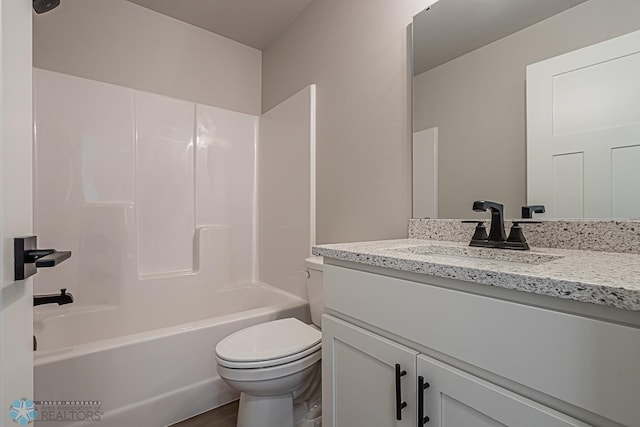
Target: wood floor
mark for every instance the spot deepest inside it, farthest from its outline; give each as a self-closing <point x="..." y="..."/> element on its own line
<point x="225" y="416"/>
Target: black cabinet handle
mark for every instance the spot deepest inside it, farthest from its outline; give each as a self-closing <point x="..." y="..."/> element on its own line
<point x="400" y="405"/>
<point x="422" y="386"/>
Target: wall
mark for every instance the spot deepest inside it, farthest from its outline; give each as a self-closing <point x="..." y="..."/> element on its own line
<point x="119" y="42"/>
<point x="16" y="325"/>
<point x="480" y="114"/>
<point x="357" y="53"/>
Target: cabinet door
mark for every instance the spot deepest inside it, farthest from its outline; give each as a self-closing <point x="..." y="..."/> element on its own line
<point x="457" y="399"/>
<point x="359" y="378"/>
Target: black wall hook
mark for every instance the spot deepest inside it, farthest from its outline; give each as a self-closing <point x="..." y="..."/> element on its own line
<point x="28" y="258"/>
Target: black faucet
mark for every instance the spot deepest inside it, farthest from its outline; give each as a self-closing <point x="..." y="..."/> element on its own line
<point x="497" y="237"/>
<point x="62" y="298"/>
<point x="496" y="232"/>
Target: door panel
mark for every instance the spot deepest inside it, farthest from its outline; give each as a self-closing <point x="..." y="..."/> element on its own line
<point x="457" y="399"/>
<point x="626" y="176"/>
<point x="456" y="413"/>
<point x="359" y="378"/>
<point x="425" y="173"/>
<point x="581" y="108"/>
<point x="16" y="311"/>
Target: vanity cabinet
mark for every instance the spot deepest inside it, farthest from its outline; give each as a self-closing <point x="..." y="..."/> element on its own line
<point x="361" y="369"/>
<point x="372" y="381"/>
<point x="488" y="361"/>
<point x="454" y="398"/>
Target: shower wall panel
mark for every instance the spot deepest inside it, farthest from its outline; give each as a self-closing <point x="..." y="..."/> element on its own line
<point x="136" y="184"/>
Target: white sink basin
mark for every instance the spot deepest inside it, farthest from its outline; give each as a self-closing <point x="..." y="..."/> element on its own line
<point x="506" y="255"/>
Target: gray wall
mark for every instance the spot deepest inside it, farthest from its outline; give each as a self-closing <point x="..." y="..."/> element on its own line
<point x="356" y="53"/>
<point x="119" y="42"/>
<point x="477" y="102"/>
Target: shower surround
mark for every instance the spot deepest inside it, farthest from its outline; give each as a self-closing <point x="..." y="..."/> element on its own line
<point x="135" y="185"/>
<point x="157" y="199"/>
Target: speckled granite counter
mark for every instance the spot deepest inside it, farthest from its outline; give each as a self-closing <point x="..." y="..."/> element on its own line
<point x="610" y="279"/>
<point x="592" y="235"/>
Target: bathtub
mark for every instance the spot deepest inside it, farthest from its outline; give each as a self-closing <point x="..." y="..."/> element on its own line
<point x="153" y="377"/>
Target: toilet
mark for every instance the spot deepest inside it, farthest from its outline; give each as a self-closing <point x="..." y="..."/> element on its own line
<point x="276" y="365"/>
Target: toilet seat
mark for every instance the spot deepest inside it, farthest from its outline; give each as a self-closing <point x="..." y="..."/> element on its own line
<point x="269" y="344"/>
<point x="268" y="363"/>
<point x="271" y="372"/>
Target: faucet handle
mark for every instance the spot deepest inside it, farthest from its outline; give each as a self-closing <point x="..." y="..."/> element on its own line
<point x="516" y="238"/>
<point x="480" y="231"/>
<point x="528" y="211"/>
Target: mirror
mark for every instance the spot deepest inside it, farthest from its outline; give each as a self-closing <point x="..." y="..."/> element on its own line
<point x="472" y="136"/>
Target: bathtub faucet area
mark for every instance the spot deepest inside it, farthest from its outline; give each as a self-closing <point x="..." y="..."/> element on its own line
<point x="61" y="299"/>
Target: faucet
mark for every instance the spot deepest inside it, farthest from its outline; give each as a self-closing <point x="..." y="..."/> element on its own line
<point x="497" y="237"/>
<point x="496" y="232"/>
<point x="62" y="298"/>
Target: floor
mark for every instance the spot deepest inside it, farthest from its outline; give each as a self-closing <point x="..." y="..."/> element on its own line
<point x="224" y="416"/>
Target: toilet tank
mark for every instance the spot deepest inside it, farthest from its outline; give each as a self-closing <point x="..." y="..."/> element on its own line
<point x="314" y="288"/>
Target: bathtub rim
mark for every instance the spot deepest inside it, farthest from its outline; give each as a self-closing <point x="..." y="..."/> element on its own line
<point x="44" y="357"/>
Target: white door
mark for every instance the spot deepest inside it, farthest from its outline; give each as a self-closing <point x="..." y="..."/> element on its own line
<point x="583" y="131"/>
<point x="425" y="173"/>
<point x="359" y="378"/>
<point x="455" y="398"/>
<point x="16" y="310"/>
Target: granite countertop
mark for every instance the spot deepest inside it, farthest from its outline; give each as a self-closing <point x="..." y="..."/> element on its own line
<point x="605" y="278"/>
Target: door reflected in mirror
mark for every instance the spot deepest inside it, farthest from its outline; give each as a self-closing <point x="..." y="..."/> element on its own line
<point x="470" y="83"/>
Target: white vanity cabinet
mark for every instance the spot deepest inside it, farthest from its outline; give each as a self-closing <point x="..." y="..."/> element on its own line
<point x="374" y="382"/>
<point x="454" y="398"/>
<point x="370" y="378"/>
<point x="488" y="362"/>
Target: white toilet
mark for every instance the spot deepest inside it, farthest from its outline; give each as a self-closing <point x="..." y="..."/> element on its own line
<point x="276" y="366"/>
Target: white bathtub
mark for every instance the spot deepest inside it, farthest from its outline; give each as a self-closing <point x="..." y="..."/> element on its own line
<point x="154" y="377"/>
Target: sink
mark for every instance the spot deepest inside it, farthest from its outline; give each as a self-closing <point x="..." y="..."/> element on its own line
<point x="481" y="253"/>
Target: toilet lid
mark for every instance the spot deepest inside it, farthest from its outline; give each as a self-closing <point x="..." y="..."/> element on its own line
<point x="268" y="341"/>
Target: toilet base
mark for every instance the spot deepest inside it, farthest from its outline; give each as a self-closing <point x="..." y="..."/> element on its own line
<point x="300" y="408"/>
<point x="265" y="411"/>
<point x="272" y="411"/>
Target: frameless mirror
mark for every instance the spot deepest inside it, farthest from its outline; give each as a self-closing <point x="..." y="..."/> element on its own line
<point x="527" y="102"/>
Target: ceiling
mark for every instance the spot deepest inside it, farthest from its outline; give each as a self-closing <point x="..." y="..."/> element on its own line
<point x="255" y="23"/>
<point x="451" y="28"/>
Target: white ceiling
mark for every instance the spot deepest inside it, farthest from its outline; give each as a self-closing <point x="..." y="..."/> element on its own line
<point x="451" y="28"/>
<point x="255" y="23"/>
